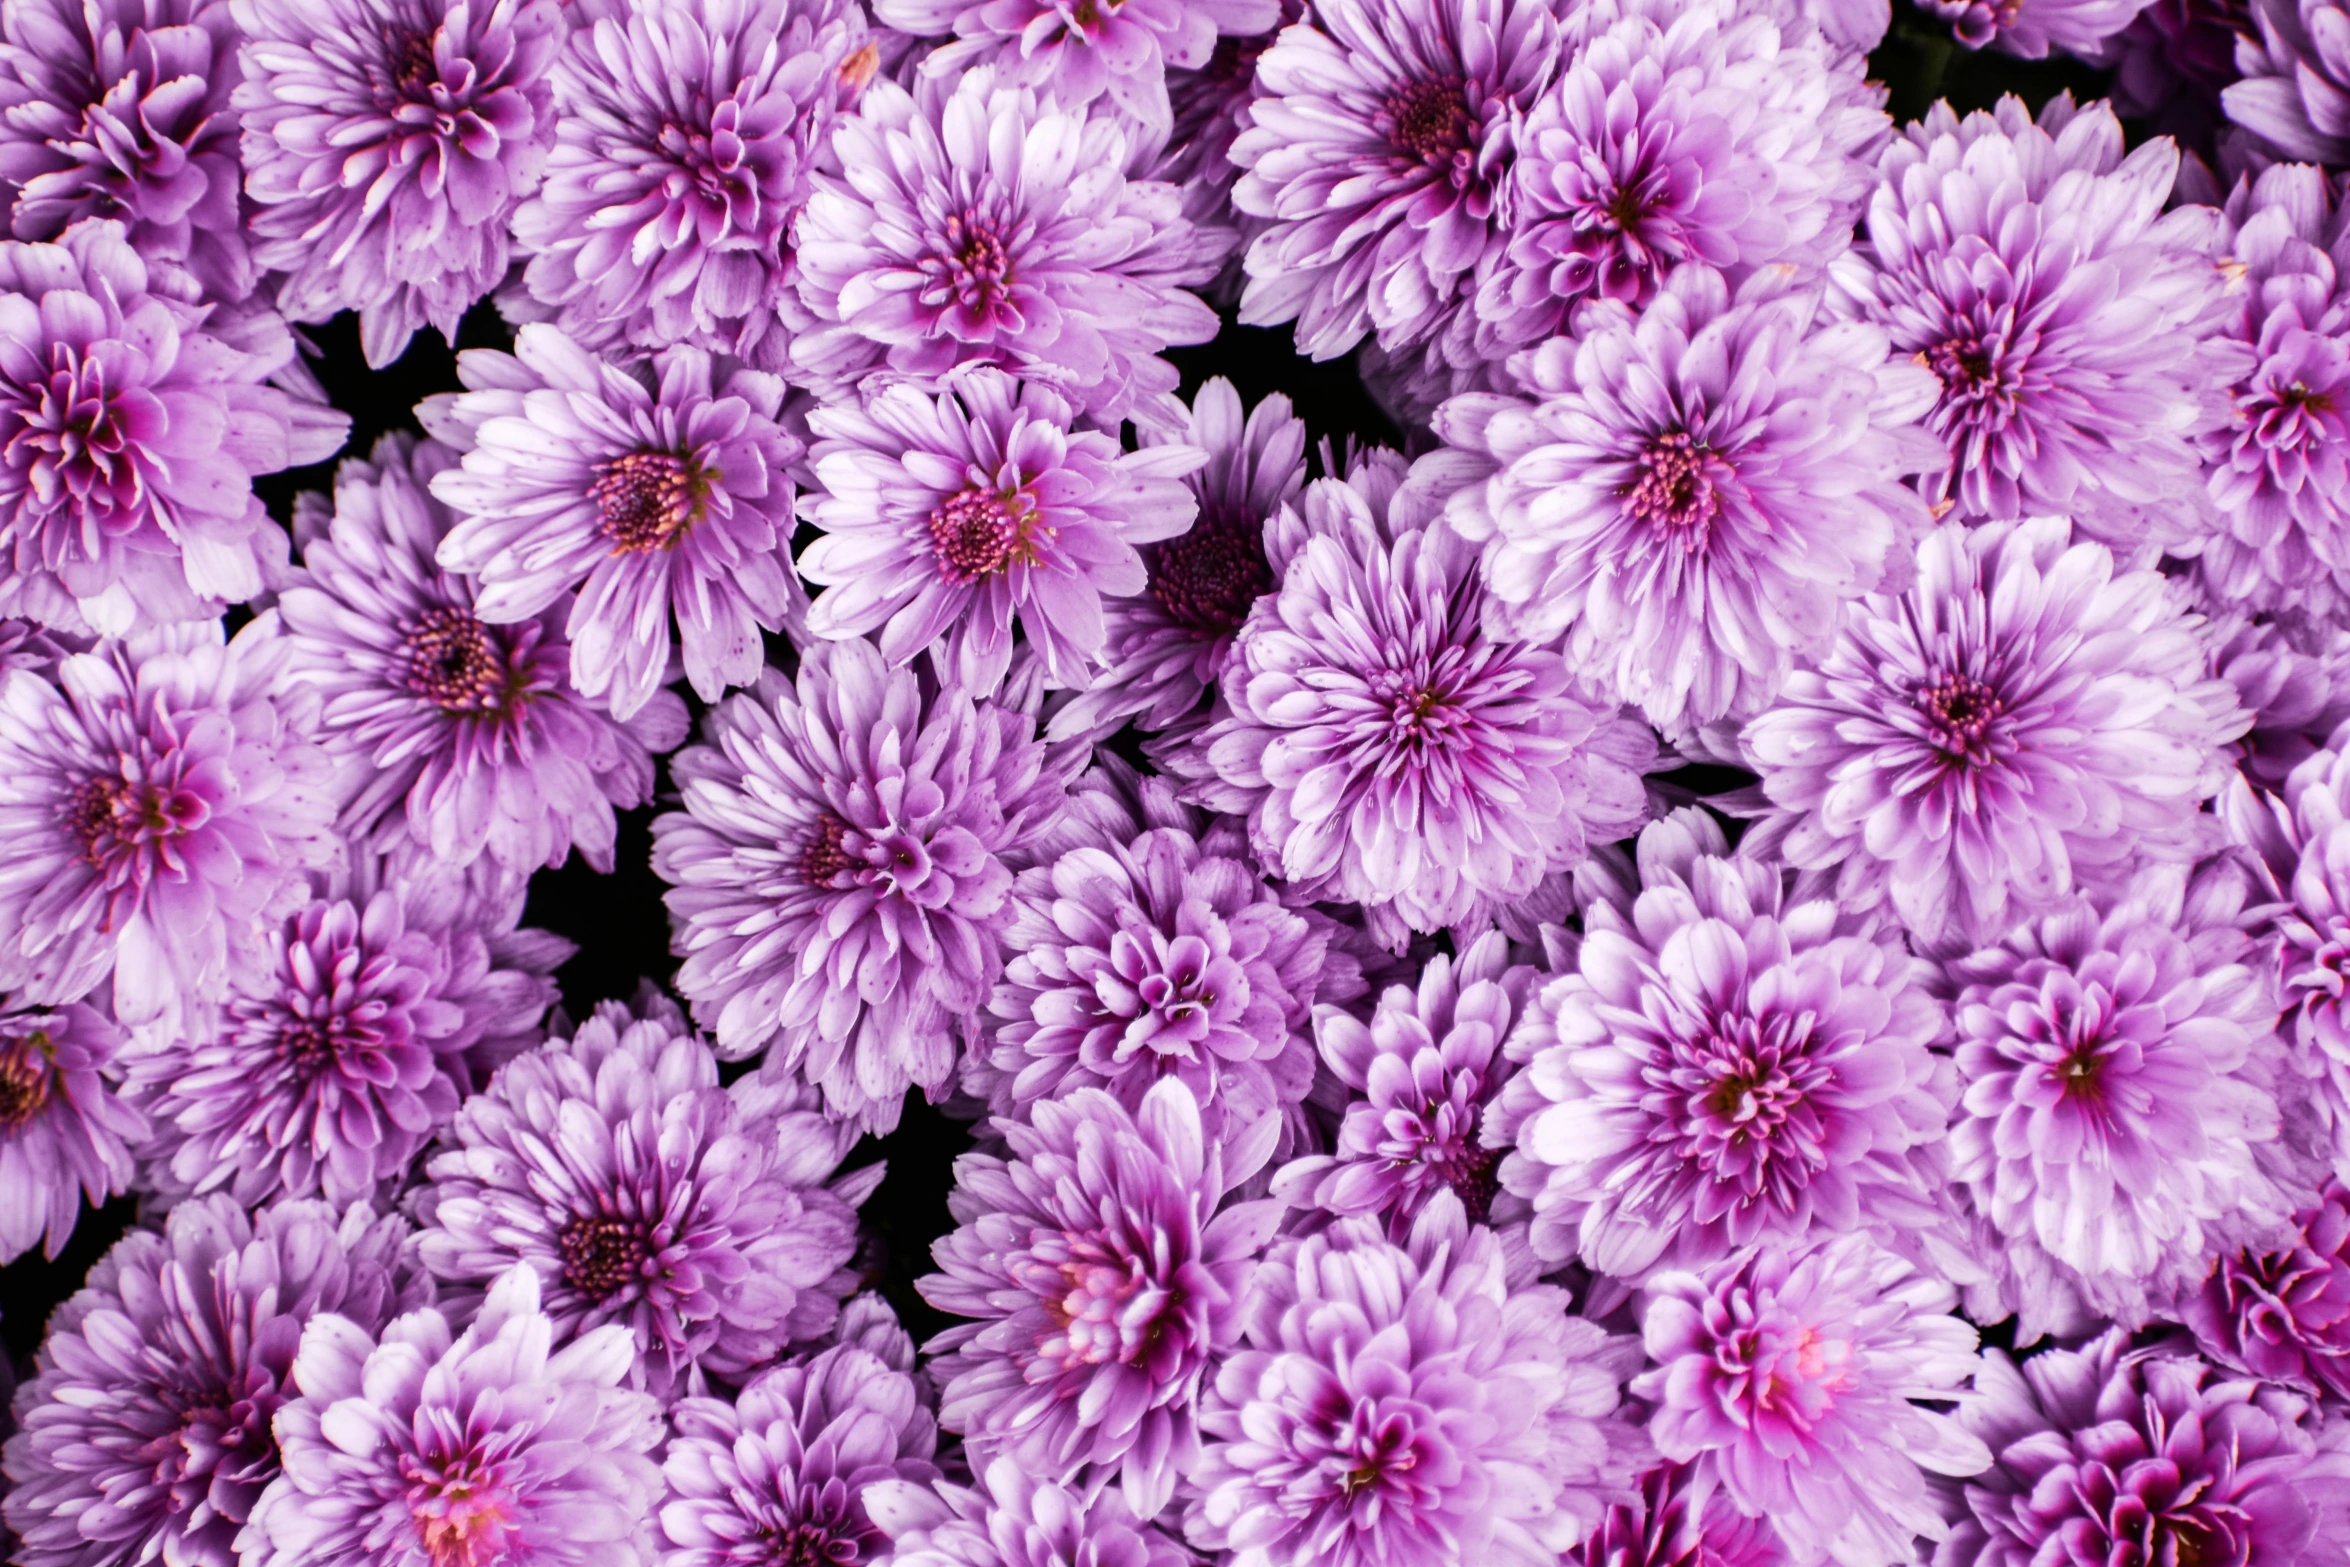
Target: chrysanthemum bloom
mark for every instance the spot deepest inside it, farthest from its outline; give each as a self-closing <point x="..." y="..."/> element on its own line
<point x="470" y="731"/>
<point x="986" y="226"/>
<point x="684" y="143"/>
<point x="644" y="1194"/>
<point x="839" y="872"/>
<point x="1162" y="956"/>
<point x="2119" y="1068"/>
<point x="129" y="437"/>
<point x="157" y="801"/>
<point x="2024" y="720"/>
<point x="655" y="493"/>
<point x="2171" y="64"/>
<point x="422" y="1447"/>
<point x="2283" y="1313"/>
<point x="2296" y="66"/>
<point x="1105" y="1281"/>
<point x="1014" y="1519"/>
<point x="1696" y="489"/>
<point x="1789" y="1372"/>
<point x="1378" y="146"/>
<point x="387" y="143"/>
<point x="1677" y="131"/>
<point x="330" y="1066"/>
<point x="121" y="110"/>
<point x="946" y="518"/>
<point x="1400" y="1406"/>
<point x="145" y="1434"/>
<point x="1682" y="1518"/>
<point x="1387" y="751"/>
<point x="2076" y="328"/>
<point x="2294" y="676"/>
<point x="2031" y="28"/>
<point x="64" y="1130"/>
<point x="1168" y="644"/>
<point x="2107" y="1454"/>
<point x="1420" y="1075"/>
<point x="1725" y="1061"/>
<point x="780" y="1474"/>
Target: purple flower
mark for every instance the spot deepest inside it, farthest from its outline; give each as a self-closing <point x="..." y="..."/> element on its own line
<point x="1105" y="1281"/>
<point x="121" y="110"/>
<point x="839" y="872"/>
<point x="2106" y="1454"/>
<point x="1015" y="1519"/>
<point x="145" y="1433"/>
<point x="1209" y="107"/>
<point x="2075" y="327"/>
<point x="982" y="225"/>
<point x="386" y="145"/>
<point x="470" y="731"/>
<point x="1724" y="1061"/>
<point x="656" y="493"/>
<point x="1422" y="1075"/>
<point x="1676" y="131"/>
<point x="2171" y="64"/>
<point x="2294" y="675"/>
<point x="1168" y="644"/>
<point x="2283" y="1313"/>
<point x="129" y="437"/>
<point x="643" y="1194"/>
<point x="1682" y="1518"/>
<point x="2031" y="28"/>
<point x="685" y="142"/>
<point x="1387" y="751"/>
<point x="64" y="1131"/>
<point x="334" y="1062"/>
<point x="158" y="801"/>
<point x="1790" y="1374"/>
<point x="2296" y="87"/>
<point x="417" y="1446"/>
<point x="2120" y="1088"/>
<point x="1379" y="144"/>
<point x="2024" y="720"/>
<point x="781" y="1474"/>
<point x="1403" y="1407"/>
<point x="946" y="518"/>
<point x="1696" y="489"/>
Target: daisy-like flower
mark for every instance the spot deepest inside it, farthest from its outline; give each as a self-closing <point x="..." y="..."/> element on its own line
<point x="1724" y="1061"/>
<point x="1168" y="644"/>
<point x="1662" y="509"/>
<point x="121" y="110"/>
<point x="1401" y="1406"/>
<point x="145" y="1433"/>
<point x="2031" y="28"/>
<point x="1163" y="956"/>
<point x="159" y="800"/>
<point x="1422" y="1075"/>
<point x="419" y="1446"/>
<point x="946" y="518"/>
<point x="2076" y="328"/>
<point x="656" y="495"/>
<point x="1387" y="751"/>
<point x="1013" y="1519"/>
<point x="2295" y="62"/>
<point x="64" y="1129"/>
<point x="781" y="1474"/>
<point x="386" y="145"/>
<point x="1378" y="146"/>
<point x="839" y="873"/>
<point x="1105" y="1281"/>
<point x="333" y="1063"/>
<point x="2282" y="1313"/>
<point x="2105" y="1452"/>
<point x="983" y="224"/>
<point x="468" y="733"/>
<point x="643" y="1194"/>
<point x="1790" y="1374"/>
<point x="2024" y="720"/>
<point x="129" y="438"/>
<point x="1677" y="131"/>
<point x="686" y="139"/>
<point x="2119" y="1073"/>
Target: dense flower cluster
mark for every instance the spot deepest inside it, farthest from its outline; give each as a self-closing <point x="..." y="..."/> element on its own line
<point x="1479" y="783"/>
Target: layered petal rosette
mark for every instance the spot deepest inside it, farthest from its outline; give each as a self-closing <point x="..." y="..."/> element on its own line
<point x="66" y="1130"/>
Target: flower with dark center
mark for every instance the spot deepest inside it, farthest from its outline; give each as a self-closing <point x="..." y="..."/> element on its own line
<point x="65" y="1132"/>
<point x="447" y="657"/>
<point x="650" y="500"/>
<point x="2282" y="1313"/>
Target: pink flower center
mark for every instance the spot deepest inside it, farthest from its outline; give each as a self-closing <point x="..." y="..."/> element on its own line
<point x="1676" y="488"/>
<point x="601" y="1255"/>
<point x="979" y="532"/>
<point x="1960" y="712"/>
<point x="1208" y="580"/>
<point x="649" y="500"/>
<point x="462" y="1511"/>
<point x="26" y="1065"/>
<point x="73" y="445"/>
<point x="1431" y="121"/>
<point x="973" y="263"/>
<point x="448" y="658"/>
<point x="117" y="820"/>
<point x="823" y="859"/>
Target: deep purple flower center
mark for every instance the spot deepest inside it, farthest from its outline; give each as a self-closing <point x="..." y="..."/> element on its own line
<point x="1960" y="712"/>
<point x="462" y="1509"/>
<point x="447" y="658"/>
<point x="602" y="1255"/>
<point x="72" y="442"/>
<point x="409" y="61"/>
<point x="2157" y="1512"/>
<point x="2294" y="416"/>
<point x="1208" y="580"/>
<point x="979" y="532"/>
<point x="116" y="819"/>
<point x="1431" y="121"/>
<point x="808" y="1543"/>
<point x="824" y="858"/>
<point x="1980" y="389"/>
<point x="650" y="500"/>
<point x="1474" y="1174"/>
<point x="977" y="264"/>
<point x="1676" y="488"/>
<point x="26" y="1065"/>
